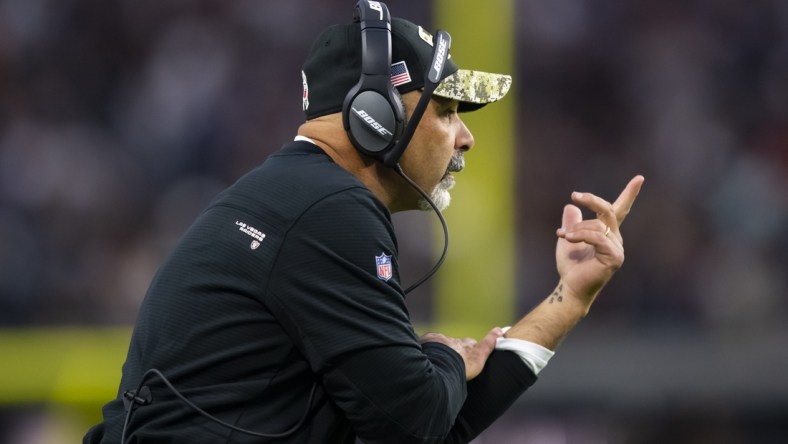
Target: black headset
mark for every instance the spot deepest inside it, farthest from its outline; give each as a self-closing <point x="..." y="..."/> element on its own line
<point x="373" y="113"/>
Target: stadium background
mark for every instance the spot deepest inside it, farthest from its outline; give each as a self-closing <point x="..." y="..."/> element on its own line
<point x="120" y="120"/>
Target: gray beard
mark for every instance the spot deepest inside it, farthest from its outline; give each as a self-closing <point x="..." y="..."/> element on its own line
<point x="440" y="195"/>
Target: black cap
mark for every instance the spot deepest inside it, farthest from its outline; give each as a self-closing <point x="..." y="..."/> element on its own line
<point x="333" y="67"/>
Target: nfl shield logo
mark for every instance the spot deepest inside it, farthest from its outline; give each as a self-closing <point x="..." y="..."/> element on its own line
<point x="384" y="266"/>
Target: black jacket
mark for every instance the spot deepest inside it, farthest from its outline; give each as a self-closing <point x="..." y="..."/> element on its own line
<point x="287" y="283"/>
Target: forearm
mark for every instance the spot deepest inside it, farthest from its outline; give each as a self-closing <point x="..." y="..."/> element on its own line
<point x="392" y="395"/>
<point x="503" y="380"/>
<point x="550" y="321"/>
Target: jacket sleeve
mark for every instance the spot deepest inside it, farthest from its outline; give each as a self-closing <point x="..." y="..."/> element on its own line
<point x="349" y="319"/>
<point x="504" y="379"/>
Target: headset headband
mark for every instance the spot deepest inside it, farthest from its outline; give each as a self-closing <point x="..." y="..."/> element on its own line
<point x="375" y="35"/>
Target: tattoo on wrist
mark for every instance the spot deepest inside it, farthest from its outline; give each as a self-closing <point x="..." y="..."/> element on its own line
<point x="558" y="294"/>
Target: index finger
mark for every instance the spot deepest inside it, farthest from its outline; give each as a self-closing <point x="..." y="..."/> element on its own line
<point x="626" y="199"/>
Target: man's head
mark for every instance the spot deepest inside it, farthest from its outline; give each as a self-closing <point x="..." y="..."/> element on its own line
<point x="334" y="67"/>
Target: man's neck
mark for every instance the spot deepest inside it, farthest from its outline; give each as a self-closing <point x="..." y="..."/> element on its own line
<point x="328" y="134"/>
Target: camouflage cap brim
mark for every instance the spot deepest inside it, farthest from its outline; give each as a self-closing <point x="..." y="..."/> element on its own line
<point x="475" y="88"/>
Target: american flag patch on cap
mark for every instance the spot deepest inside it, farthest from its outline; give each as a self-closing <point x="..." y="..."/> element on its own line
<point x="399" y="73"/>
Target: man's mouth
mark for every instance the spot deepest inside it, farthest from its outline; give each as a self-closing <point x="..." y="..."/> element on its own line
<point x="456" y="164"/>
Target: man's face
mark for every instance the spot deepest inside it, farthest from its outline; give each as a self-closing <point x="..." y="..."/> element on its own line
<point x="436" y="149"/>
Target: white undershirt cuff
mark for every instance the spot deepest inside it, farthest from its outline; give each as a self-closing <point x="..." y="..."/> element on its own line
<point x="533" y="355"/>
<point x="304" y="139"/>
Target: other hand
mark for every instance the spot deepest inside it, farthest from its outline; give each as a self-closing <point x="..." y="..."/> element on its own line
<point x="474" y="353"/>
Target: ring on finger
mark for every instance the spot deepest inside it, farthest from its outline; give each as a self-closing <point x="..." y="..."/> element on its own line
<point x="607" y="230"/>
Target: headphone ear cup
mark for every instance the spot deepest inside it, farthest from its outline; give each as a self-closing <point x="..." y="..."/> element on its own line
<point x="374" y="121"/>
<point x="373" y="113"/>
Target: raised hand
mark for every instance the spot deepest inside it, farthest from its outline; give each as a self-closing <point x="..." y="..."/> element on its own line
<point x="590" y="251"/>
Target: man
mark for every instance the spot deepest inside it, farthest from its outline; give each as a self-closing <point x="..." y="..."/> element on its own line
<point x="280" y="315"/>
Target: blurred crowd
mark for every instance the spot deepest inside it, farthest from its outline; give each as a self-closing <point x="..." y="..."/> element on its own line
<point x="120" y="120"/>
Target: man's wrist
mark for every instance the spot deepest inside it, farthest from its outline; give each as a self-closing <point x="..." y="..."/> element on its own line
<point x="549" y="322"/>
<point x="575" y="302"/>
<point x="533" y="355"/>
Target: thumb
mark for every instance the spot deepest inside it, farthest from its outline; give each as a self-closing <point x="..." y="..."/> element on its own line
<point x="474" y="362"/>
<point x="572" y="215"/>
<point x="487" y="344"/>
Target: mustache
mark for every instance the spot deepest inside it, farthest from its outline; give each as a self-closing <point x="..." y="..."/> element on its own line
<point x="457" y="163"/>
